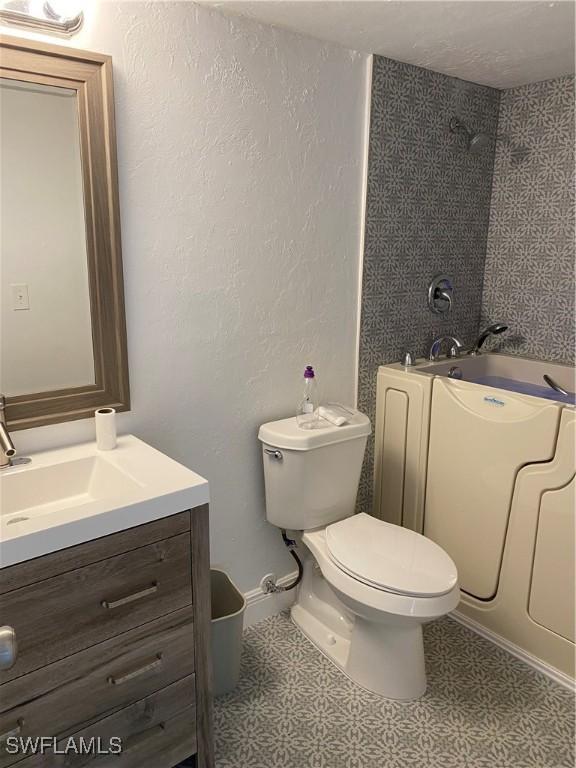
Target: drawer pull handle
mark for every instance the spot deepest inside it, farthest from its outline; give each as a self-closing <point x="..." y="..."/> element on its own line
<point x="110" y="604"/>
<point x="142" y="737"/>
<point x="8" y="647"/>
<point x="16" y="731"/>
<point x="157" y="662"/>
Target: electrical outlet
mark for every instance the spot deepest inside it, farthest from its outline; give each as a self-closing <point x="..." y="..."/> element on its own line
<point x="19" y="296"/>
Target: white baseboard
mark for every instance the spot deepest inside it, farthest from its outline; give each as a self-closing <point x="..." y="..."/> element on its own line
<point x="555" y="674"/>
<point x="260" y="605"/>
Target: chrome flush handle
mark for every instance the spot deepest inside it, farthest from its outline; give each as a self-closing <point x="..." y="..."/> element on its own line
<point x="274" y="453"/>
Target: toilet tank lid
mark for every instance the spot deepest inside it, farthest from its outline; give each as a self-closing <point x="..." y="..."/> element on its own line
<point x="287" y="434"/>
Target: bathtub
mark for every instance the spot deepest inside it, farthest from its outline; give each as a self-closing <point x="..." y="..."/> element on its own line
<point x="477" y="453"/>
<point x="515" y="374"/>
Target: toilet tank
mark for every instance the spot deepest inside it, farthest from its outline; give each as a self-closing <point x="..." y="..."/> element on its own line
<point x="312" y="475"/>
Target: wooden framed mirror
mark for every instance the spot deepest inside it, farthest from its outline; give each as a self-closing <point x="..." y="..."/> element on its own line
<point x="63" y="332"/>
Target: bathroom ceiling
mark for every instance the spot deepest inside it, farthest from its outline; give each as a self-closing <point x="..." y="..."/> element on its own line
<point x="502" y="43"/>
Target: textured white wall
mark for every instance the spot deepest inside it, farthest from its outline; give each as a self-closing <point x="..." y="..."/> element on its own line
<point x="240" y="162"/>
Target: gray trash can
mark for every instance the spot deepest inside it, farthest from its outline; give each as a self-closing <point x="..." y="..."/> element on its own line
<point x="228" y="606"/>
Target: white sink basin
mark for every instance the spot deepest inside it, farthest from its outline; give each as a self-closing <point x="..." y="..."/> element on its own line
<point x="71" y="495"/>
<point x="42" y="490"/>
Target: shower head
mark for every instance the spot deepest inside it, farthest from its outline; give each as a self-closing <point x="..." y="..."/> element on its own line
<point x="476" y="141"/>
<point x="496" y="328"/>
<point x="492" y="330"/>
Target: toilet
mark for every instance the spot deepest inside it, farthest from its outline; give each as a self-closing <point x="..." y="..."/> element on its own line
<point x="368" y="586"/>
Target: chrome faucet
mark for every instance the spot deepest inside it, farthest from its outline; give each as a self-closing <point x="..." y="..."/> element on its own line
<point x="492" y="330"/>
<point x="7" y="449"/>
<point x="454" y="350"/>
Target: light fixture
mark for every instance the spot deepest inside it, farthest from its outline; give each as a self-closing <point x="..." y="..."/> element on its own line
<point x="61" y="17"/>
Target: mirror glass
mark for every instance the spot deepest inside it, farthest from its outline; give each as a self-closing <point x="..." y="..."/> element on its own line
<point x="45" y="322"/>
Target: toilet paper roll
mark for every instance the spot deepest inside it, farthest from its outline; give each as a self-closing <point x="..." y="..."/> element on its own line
<point x="105" y="419"/>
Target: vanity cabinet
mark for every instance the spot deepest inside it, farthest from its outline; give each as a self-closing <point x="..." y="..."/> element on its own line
<point x="112" y="641"/>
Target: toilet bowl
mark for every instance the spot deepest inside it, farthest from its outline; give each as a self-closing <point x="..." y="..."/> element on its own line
<point x="368" y="586"/>
<point x="380" y="609"/>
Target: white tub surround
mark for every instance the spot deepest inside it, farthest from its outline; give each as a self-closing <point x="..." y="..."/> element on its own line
<point x="75" y="494"/>
<point x="488" y="472"/>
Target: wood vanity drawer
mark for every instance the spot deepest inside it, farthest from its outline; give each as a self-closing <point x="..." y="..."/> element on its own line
<point x="59" y="616"/>
<point x="71" y="558"/>
<point x="157" y="732"/>
<point x="68" y="694"/>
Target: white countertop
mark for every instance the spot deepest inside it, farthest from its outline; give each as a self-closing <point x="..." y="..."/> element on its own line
<point x="71" y="495"/>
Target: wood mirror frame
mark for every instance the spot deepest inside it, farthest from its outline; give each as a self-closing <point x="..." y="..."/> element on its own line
<point x="90" y="74"/>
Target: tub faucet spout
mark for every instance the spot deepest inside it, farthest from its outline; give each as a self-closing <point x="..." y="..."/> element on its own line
<point x="7" y="449"/>
<point x="454" y="349"/>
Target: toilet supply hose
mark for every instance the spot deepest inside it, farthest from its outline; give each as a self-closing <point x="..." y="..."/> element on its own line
<point x="270" y="585"/>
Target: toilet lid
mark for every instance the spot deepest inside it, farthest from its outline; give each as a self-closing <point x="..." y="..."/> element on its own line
<point x="390" y="557"/>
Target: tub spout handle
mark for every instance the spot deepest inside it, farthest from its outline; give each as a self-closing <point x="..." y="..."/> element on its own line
<point x="551" y="383"/>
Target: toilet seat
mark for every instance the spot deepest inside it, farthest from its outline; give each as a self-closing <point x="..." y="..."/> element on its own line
<point x="369" y="598"/>
<point x="390" y="558"/>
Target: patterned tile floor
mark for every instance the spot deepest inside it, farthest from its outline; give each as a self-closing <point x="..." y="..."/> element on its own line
<point x="483" y="709"/>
